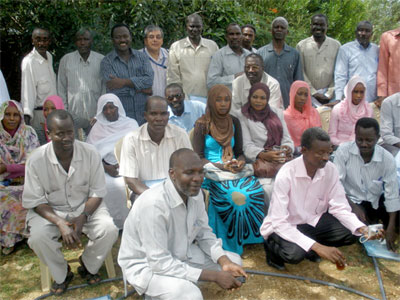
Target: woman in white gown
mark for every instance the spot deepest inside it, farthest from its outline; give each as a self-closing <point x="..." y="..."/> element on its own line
<point x="112" y="124"/>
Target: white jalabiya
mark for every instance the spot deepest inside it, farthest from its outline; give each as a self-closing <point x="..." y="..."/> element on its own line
<point x="104" y="135"/>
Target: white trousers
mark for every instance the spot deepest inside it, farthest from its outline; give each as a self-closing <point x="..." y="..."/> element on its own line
<point x="44" y="237"/>
<point x="172" y="288"/>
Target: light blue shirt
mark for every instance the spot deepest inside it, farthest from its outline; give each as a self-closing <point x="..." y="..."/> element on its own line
<point x="192" y="111"/>
<point x="354" y="59"/>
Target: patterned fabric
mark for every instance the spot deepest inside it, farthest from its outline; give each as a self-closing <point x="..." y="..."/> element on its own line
<point x="236" y="207"/>
<point x="13" y="150"/>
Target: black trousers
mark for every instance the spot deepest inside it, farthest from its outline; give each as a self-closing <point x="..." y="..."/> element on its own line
<point x="328" y="231"/>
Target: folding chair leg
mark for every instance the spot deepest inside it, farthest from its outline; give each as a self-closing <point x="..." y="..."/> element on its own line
<point x="110" y="265"/>
<point x="45" y="277"/>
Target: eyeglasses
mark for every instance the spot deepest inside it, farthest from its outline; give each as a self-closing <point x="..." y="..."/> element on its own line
<point x="172" y="97"/>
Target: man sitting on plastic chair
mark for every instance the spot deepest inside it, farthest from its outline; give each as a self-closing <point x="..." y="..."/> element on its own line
<point x="167" y="244"/>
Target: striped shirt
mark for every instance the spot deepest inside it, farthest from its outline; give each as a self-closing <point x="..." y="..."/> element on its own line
<point x="80" y="84"/>
<point x="367" y="181"/>
<point x="139" y="71"/>
<point x="159" y="67"/>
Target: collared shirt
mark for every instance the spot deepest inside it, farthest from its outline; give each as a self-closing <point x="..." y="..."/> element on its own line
<point x="390" y="119"/>
<point x="139" y="71"/>
<point x="299" y="199"/>
<point x="319" y="63"/>
<point x="46" y="181"/>
<point x="224" y="65"/>
<point x="159" y="67"/>
<point x="188" y="65"/>
<point x="354" y="59"/>
<point x="80" y="83"/>
<point x="38" y="80"/>
<point x="192" y="111"/>
<point x="367" y="181"/>
<point x="389" y="63"/>
<point x="158" y="233"/>
<point x="255" y="135"/>
<point x="241" y="88"/>
<point x="146" y="160"/>
<point x="284" y="67"/>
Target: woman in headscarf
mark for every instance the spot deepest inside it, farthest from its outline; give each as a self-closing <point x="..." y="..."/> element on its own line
<point x="17" y="140"/>
<point x="345" y="114"/>
<point x="51" y="103"/>
<point x="111" y="126"/>
<point x="266" y="140"/>
<point x="300" y="115"/>
<point x="235" y="208"/>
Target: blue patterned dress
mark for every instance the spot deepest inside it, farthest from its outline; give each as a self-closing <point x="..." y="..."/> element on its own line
<point x="236" y="207"/>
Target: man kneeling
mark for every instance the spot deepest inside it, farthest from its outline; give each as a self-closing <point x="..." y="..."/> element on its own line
<point x="167" y="244"/>
<point x="309" y="215"/>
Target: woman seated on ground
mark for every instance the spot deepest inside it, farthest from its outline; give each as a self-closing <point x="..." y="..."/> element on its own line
<point x="17" y="140"/>
<point x="266" y="140"/>
<point x="345" y="114"/>
<point x="235" y="208"/>
<point x="111" y="126"/>
<point x="51" y="103"/>
<point x="300" y="115"/>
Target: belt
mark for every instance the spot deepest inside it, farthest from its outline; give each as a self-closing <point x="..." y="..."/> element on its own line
<point x="38" y="108"/>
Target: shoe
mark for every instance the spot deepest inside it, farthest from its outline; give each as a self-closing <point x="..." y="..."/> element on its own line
<point x="91" y="279"/>
<point x="58" y="289"/>
<point x="312" y="256"/>
<point x="272" y="259"/>
<point x="7" y="250"/>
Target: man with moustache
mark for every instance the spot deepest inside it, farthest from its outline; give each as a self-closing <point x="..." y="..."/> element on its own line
<point x="145" y="151"/>
<point x="280" y="60"/>
<point x="79" y="80"/>
<point x="189" y="59"/>
<point x="318" y="55"/>
<point x="359" y="57"/>
<point x="64" y="186"/>
<point x="127" y="73"/>
<point x="309" y="215"/>
<point x="38" y="81"/>
<point x="228" y="62"/>
<point x="254" y="73"/>
<point x="249" y="35"/>
<point x="167" y="245"/>
<point x="369" y="177"/>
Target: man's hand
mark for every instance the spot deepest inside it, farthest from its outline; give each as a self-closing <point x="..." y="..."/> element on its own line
<point x="148" y="91"/>
<point x="111" y="170"/>
<point x="330" y="253"/>
<point x="321" y="98"/>
<point x="391" y="238"/>
<point x="27" y="119"/>
<point x="77" y="224"/>
<point x="115" y="83"/>
<point x="227" y="281"/>
<point x="69" y="235"/>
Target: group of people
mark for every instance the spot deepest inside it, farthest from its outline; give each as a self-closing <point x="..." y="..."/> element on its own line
<point x="215" y="149"/>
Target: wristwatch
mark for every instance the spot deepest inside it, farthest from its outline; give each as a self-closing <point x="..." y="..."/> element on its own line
<point x="86" y="214"/>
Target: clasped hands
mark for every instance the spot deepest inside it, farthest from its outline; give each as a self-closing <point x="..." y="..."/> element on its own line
<point x="71" y="231"/>
<point x="234" y="166"/>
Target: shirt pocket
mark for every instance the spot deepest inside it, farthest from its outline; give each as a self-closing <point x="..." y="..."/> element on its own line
<point x="43" y="88"/>
<point x="375" y="187"/>
<point x="57" y="198"/>
<point x="321" y="206"/>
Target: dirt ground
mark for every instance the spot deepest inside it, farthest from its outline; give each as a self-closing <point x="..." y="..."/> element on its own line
<point x="20" y="279"/>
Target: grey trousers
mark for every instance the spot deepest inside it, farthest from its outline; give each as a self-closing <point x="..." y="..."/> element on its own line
<point x="44" y="236"/>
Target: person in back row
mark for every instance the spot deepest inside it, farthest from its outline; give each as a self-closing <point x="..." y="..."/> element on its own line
<point x="368" y="174"/>
<point x="167" y="245"/>
<point x="249" y="35"/>
<point x="390" y="123"/>
<point x="309" y="215"/>
<point x="146" y="150"/>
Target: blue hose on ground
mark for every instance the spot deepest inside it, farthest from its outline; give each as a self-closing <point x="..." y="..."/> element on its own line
<point x="378" y="274"/>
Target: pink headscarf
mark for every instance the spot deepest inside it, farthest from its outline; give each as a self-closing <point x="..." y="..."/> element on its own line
<point x="58" y="103"/>
<point x="296" y="121"/>
<point x="347" y="110"/>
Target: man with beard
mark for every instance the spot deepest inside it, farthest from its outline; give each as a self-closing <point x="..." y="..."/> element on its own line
<point x="280" y="60"/>
<point x="309" y="215"/>
<point x="359" y="57"/>
<point x="228" y="62"/>
<point x="318" y="56"/>
<point x="64" y="186"/>
<point x="167" y="245"/>
<point x="369" y="177"/>
<point x="190" y="58"/>
<point x="254" y="73"/>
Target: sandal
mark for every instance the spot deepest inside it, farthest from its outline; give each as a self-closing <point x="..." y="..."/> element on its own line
<point x="7" y="250"/>
<point x="91" y="279"/>
<point x="58" y="289"/>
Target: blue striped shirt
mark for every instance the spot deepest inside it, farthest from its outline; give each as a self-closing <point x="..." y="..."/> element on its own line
<point x="139" y="71"/>
<point x="367" y="181"/>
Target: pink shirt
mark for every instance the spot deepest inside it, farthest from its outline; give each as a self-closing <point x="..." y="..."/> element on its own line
<point x="388" y="80"/>
<point x="298" y="199"/>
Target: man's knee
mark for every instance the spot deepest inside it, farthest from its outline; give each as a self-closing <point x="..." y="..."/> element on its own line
<point x="186" y="290"/>
<point x="293" y="254"/>
<point x="108" y="229"/>
<point x="38" y="236"/>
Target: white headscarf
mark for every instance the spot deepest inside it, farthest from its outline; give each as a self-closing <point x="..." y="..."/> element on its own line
<point x="104" y="133"/>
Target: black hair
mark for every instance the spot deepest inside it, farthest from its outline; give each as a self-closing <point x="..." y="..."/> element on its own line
<point x="174" y="85"/>
<point x="119" y="25"/>
<point x="257" y="56"/>
<point x="368" y="123"/>
<point x="320" y="16"/>
<point x="312" y="134"/>
<point x="151" y="98"/>
<point x="249" y="26"/>
<point x="58" y="114"/>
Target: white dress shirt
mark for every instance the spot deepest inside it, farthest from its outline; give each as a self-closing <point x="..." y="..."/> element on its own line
<point x="38" y="81"/>
<point x="390" y="119"/>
